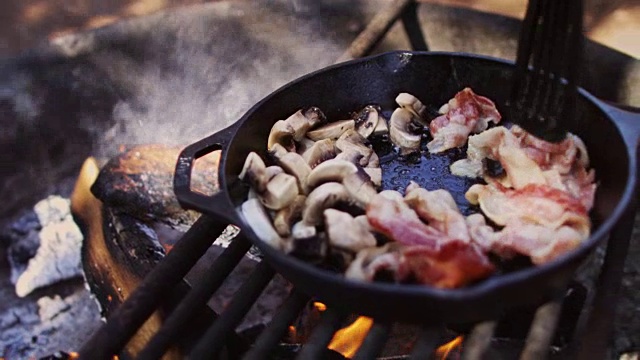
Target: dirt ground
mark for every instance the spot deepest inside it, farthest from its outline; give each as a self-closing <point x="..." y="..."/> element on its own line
<point x="615" y="23"/>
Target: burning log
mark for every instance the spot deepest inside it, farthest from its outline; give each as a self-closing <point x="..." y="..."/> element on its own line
<point x="139" y="182"/>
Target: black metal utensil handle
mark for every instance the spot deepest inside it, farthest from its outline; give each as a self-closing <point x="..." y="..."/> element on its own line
<point x="215" y="204"/>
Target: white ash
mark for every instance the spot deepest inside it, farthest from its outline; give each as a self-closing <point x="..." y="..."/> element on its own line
<point x="58" y="257"/>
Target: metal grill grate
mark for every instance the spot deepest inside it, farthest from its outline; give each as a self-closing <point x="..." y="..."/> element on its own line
<point x="218" y="337"/>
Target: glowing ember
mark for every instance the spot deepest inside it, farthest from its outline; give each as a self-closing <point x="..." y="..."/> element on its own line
<point x="347" y="340"/>
<point x="442" y="353"/>
<point x="320" y="306"/>
<point x="73" y="355"/>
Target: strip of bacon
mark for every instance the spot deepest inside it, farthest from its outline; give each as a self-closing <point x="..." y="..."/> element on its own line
<point x="542" y="244"/>
<point x="439" y="210"/>
<point x="432" y="256"/>
<point x="466" y="113"/>
<point x="395" y="219"/>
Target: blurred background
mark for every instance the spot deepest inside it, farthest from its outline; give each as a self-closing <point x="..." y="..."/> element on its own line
<point x="614" y="23"/>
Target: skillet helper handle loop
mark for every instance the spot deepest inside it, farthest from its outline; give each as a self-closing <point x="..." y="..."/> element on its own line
<point x="189" y="199"/>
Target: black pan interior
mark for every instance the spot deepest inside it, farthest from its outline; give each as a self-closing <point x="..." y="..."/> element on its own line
<point x="434" y="78"/>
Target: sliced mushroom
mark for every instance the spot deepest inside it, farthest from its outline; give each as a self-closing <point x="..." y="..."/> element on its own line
<point x="257" y="218"/>
<point x="302" y="121"/>
<point x="281" y="133"/>
<point x="320" y="151"/>
<point x="303" y="145"/>
<point x="345" y="232"/>
<point x="254" y="172"/>
<point x="374" y="161"/>
<point x="293" y="163"/>
<point x="306" y="243"/>
<point x="360" y="188"/>
<point x="413" y="105"/>
<point x="351" y="156"/>
<point x="367" y="120"/>
<point x="332" y="130"/>
<point x="333" y="170"/>
<point x="315" y="116"/>
<point x="285" y="217"/>
<point x="351" y="140"/>
<point x="400" y="133"/>
<point x="382" y="127"/>
<point x="371" y="260"/>
<point x="375" y="174"/>
<point x="272" y="171"/>
<point x="280" y="191"/>
<point x="322" y="197"/>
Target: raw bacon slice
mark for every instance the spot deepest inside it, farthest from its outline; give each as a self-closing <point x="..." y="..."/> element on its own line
<point x="394" y="218"/>
<point x="466" y="113"/>
<point x="534" y="204"/>
<point x="542" y="244"/>
<point x="432" y="255"/>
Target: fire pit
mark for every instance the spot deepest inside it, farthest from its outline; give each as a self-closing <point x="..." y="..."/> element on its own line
<point x="131" y="108"/>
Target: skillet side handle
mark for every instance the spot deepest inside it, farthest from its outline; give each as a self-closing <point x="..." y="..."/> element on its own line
<point x="216" y="204"/>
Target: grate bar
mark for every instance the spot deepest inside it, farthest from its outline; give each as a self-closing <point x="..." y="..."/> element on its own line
<point x="412" y="27"/>
<point x="212" y="342"/>
<point x="375" y="30"/>
<point x="323" y="333"/>
<point x="428" y="341"/>
<point x="180" y="318"/>
<point x="478" y="341"/>
<point x="109" y="339"/>
<point x="273" y="333"/>
<point x="542" y="330"/>
<point x="374" y="342"/>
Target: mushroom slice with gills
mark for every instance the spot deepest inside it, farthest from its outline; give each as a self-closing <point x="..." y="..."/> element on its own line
<point x="254" y="172"/>
<point x="294" y="164"/>
<point x="320" y="151"/>
<point x="280" y="191"/>
<point x="345" y="232"/>
<point x="331" y="130"/>
<point x="375" y="174"/>
<point x="281" y="133"/>
<point x="333" y="170"/>
<point x="302" y="121"/>
<point x="351" y="140"/>
<point x="367" y="120"/>
<point x="257" y="218"/>
<point x="413" y="105"/>
<point x="322" y="197"/>
<point x="285" y="217"/>
<point x="306" y="243"/>
<point x="360" y="188"/>
<point x="401" y="134"/>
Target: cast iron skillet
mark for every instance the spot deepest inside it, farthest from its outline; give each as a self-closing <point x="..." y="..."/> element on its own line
<point x="609" y="133"/>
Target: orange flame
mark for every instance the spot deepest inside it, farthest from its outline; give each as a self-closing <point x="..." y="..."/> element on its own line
<point x="74" y="355"/>
<point x="444" y="350"/>
<point x="320" y="306"/>
<point x="347" y="340"/>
